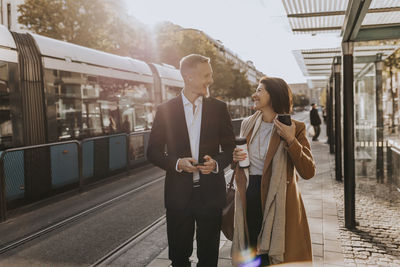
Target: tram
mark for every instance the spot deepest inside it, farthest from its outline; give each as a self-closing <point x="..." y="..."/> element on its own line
<point x="71" y="114"/>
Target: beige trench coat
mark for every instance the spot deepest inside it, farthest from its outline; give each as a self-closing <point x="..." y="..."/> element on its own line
<point x="297" y="234"/>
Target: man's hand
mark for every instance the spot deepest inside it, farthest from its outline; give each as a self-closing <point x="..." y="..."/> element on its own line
<point x="186" y="165"/>
<point x="209" y="165"/>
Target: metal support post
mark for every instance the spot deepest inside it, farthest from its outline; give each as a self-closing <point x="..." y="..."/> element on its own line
<point x="379" y="119"/>
<point x="389" y="167"/>
<point x="338" y="118"/>
<point x="331" y="119"/>
<point x="348" y="134"/>
<point x="128" y="139"/>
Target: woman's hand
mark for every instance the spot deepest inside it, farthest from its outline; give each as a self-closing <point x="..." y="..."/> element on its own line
<point x="239" y="155"/>
<point x="286" y="132"/>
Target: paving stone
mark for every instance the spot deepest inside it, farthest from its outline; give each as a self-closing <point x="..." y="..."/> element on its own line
<point x="316" y="238"/>
<point x="318" y="250"/>
<point x="378" y="218"/>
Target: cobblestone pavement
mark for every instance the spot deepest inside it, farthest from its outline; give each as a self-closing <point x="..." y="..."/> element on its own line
<point x="376" y="241"/>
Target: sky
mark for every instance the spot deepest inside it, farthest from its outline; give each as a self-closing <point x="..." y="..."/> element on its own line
<point x="256" y="30"/>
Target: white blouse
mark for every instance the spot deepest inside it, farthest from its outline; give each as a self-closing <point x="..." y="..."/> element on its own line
<point x="259" y="147"/>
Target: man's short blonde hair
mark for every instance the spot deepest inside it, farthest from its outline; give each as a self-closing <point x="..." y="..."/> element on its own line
<point x="191" y="61"/>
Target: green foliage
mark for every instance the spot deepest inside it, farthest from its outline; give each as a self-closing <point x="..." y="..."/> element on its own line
<point x="174" y="42"/>
<point x="91" y="23"/>
<point x="83" y="22"/>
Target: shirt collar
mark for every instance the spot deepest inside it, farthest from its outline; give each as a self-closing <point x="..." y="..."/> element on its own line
<point x="186" y="101"/>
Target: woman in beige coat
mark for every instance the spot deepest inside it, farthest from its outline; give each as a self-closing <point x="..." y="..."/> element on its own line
<point x="270" y="221"/>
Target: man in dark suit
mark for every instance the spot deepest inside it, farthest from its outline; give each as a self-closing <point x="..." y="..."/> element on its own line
<point x="187" y="134"/>
<point x="315" y="121"/>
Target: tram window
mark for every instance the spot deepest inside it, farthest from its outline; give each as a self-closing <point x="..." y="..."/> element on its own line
<point x="110" y="117"/>
<point x="91" y="115"/>
<point x="136" y="97"/>
<point x="3" y="71"/>
<point x="6" y="131"/>
<point x="140" y="118"/>
<point x="64" y="104"/>
<point x="131" y="100"/>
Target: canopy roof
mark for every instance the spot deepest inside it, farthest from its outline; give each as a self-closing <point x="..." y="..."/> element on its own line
<point x="318" y="62"/>
<point x="356" y="20"/>
<point x="359" y="21"/>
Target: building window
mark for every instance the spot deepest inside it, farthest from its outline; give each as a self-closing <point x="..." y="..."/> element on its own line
<point x="9" y="16"/>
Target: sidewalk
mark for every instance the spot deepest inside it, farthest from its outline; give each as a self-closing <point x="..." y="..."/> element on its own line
<point x="320" y="204"/>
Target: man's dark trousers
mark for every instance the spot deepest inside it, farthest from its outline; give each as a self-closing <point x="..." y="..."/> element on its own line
<point x="317" y="130"/>
<point x="315" y="122"/>
<point x="180" y="230"/>
<point x="188" y="206"/>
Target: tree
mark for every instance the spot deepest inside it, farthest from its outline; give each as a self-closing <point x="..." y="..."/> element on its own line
<point x="83" y="22"/>
<point x="92" y="23"/>
<point x="174" y="42"/>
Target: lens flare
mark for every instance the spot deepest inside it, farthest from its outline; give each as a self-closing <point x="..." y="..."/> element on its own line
<point x="248" y="258"/>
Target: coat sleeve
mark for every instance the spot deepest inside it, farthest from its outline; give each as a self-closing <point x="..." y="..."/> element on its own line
<point x="156" y="153"/>
<point x="226" y="139"/>
<point x="300" y="153"/>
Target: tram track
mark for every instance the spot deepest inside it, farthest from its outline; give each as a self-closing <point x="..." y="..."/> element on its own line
<point x="17" y="243"/>
<point x="112" y="255"/>
<point x="132" y="241"/>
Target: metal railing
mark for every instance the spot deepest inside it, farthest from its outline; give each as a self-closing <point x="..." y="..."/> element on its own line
<point x="30" y="154"/>
<point x="42" y="164"/>
<point x="104" y="141"/>
<point x="95" y="157"/>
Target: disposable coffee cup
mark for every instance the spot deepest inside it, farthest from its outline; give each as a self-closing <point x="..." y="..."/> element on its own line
<point x="241" y="143"/>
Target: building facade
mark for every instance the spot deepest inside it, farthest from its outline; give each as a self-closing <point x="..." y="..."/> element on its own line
<point x="9" y="14"/>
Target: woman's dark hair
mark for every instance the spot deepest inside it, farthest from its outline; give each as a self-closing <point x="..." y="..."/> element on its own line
<point x="280" y="94"/>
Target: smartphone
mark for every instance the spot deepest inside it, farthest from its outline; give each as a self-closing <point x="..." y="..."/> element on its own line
<point x="285" y="119"/>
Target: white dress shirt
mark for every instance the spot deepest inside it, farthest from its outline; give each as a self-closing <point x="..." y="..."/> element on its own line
<point x="193" y="122"/>
<point x="193" y="115"/>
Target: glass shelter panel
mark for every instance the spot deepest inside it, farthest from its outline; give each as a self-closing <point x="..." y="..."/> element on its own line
<point x="365" y="122"/>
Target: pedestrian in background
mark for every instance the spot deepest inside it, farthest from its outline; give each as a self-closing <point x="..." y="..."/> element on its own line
<point x="112" y="127"/>
<point x="194" y="129"/>
<point x="269" y="210"/>
<point x="315" y="121"/>
<point x="126" y="125"/>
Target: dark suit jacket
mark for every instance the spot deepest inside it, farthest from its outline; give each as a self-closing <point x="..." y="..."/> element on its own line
<point x="169" y="140"/>
<point x="314" y="117"/>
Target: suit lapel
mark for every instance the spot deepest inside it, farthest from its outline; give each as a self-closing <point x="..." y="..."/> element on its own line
<point x="182" y="125"/>
<point x="204" y="122"/>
